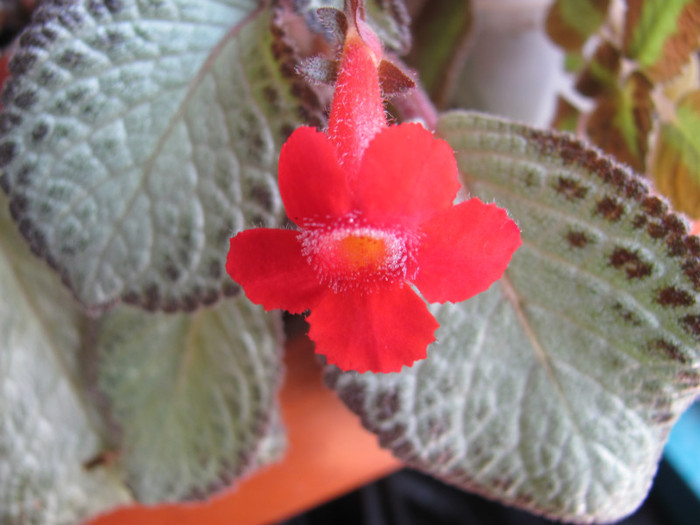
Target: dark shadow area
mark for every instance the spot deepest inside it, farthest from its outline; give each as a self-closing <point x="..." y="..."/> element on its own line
<point x="14" y="16"/>
<point x="411" y="498"/>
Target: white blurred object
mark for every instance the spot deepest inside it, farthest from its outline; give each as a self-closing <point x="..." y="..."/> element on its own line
<point x="513" y="69"/>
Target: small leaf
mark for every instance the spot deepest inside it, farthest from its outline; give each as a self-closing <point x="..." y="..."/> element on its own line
<point x="570" y="22"/>
<point x="333" y="21"/>
<point x="555" y="390"/>
<point x="676" y="167"/>
<point x="194" y="395"/>
<point x="661" y="35"/>
<point x="48" y="433"/>
<point x="137" y="137"/>
<point x="601" y="73"/>
<point x="319" y="70"/>
<point x="622" y="120"/>
<point x="393" y="79"/>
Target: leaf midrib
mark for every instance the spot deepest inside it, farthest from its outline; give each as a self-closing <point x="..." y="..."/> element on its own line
<point x="148" y="165"/>
<point x="539" y="351"/>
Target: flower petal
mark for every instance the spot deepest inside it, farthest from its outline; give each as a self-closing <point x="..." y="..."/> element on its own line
<point x="464" y="250"/>
<point x="269" y="266"/>
<point x="379" y="332"/>
<point x="406" y="176"/>
<point x="312" y="183"/>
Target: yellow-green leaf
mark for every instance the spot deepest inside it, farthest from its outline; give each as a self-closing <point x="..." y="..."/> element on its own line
<point x="686" y="81"/>
<point x="601" y="73"/>
<point x="622" y="120"/>
<point x="661" y="35"/>
<point x="574" y="62"/>
<point x="676" y="167"/>
<point x="571" y="22"/>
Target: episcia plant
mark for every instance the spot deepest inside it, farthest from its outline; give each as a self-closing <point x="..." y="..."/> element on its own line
<point x="374" y="207"/>
<point x="148" y="149"/>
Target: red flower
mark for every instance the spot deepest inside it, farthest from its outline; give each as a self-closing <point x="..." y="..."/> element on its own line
<point x="374" y="207"/>
<point x="363" y="241"/>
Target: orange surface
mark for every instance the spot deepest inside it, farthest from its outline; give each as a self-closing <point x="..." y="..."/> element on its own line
<point x="329" y="453"/>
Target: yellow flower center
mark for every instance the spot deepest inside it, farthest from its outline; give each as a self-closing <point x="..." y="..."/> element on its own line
<point x="362" y="252"/>
<point x="352" y="256"/>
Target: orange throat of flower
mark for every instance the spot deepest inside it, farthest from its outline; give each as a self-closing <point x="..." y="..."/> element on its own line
<point x="359" y="253"/>
<point x="356" y="257"/>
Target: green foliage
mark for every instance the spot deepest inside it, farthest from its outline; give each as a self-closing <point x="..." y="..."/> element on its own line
<point x="660" y="35"/>
<point x="48" y="432"/>
<point x="571" y="22"/>
<point x="142" y="136"/>
<point x="676" y="167"/>
<point x="659" y="41"/>
<point x="194" y="395"/>
<point x="138" y="136"/>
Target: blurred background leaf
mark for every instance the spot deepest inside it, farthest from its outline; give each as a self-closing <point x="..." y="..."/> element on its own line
<point x="194" y="396"/>
<point x="661" y="35"/>
<point x="571" y="22"/>
<point x="676" y="167"/>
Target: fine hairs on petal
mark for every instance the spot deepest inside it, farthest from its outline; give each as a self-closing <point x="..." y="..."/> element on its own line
<point x="357" y="110"/>
<point x="347" y="254"/>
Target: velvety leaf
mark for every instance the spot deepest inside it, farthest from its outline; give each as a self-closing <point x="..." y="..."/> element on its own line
<point x="570" y="22"/>
<point x="318" y="70"/>
<point x="442" y="33"/>
<point x="555" y="390"/>
<point x="622" y="120"/>
<point x="661" y="35"/>
<point x="47" y="431"/>
<point x="194" y="396"/>
<point x="393" y="79"/>
<point x="676" y="166"/>
<point x="137" y="137"/>
<point x="272" y="445"/>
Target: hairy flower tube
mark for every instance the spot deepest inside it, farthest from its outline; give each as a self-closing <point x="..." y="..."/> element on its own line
<point x="374" y="208"/>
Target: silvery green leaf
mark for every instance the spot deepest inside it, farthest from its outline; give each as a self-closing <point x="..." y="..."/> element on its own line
<point x="137" y="137"/>
<point x="195" y="396"/>
<point x="48" y="433"/>
<point x="555" y="390"/>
